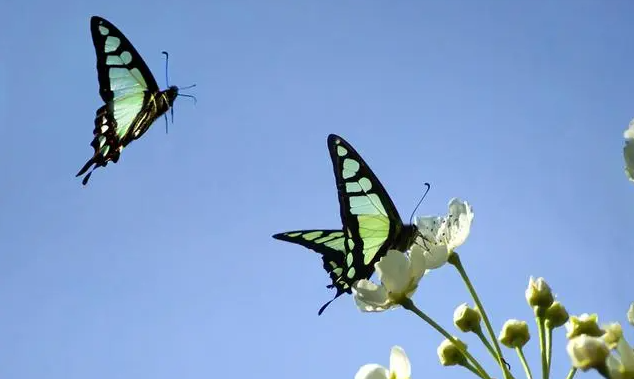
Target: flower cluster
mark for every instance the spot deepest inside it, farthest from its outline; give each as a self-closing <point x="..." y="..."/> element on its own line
<point x="400" y="273"/>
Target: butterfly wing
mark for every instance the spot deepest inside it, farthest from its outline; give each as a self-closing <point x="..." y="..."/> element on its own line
<point x="370" y="219"/>
<point x="328" y="243"/>
<point x="126" y="86"/>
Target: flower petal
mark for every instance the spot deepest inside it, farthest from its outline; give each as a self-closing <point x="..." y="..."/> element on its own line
<point x="630" y="314"/>
<point x="627" y="355"/>
<point x="428" y="227"/>
<point x="399" y="363"/>
<point x="372" y="371"/>
<point x="369" y="297"/>
<point x="436" y="256"/>
<point x="393" y="271"/>
<point x="458" y="223"/>
<point x="417" y="264"/>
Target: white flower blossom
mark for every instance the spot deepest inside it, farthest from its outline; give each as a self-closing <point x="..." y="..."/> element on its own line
<point x="441" y="235"/>
<point x="399" y="274"/>
<point x="630" y="314"/>
<point x="621" y="364"/>
<point x="399" y="367"/>
<point x="628" y="151"/>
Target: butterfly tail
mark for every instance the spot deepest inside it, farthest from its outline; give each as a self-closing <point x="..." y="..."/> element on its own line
<point x="323" y="307"/>
<point x="84" y="169"/>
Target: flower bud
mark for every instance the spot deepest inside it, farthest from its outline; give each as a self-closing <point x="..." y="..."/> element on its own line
<point x="538" y="293"/>
<point x="588" y="352"/>
<point x="467" y="319"/>
<point x="449" y="354"/>
<point x="514" y="334"/>
<point x="584" y="324"/>
<point x="630" y="314"/>
<point x="556" y="315"/>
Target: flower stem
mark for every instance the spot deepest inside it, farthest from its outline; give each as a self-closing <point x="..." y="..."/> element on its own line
<point x="470" y="367"/>
<point x="527" y="369"/>
<point x="549" y="343"/>
<point x="486" y="342"/>
<point x="571" y="373"/>
<point x="542" y="345"/>
<point x="454" y="259"/>
<point x="410" y="306"/>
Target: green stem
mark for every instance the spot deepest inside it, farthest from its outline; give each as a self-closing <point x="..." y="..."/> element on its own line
<point x="410" y="306"/>
<point x="486" y="342"/>
<point x="549" y="343"/>
<point x="454" y="259"/>
<point x="571" y="373"/>
<point x="470" y="367"/>
<point x="542" y="345"/>
<point x="527" y="369"/>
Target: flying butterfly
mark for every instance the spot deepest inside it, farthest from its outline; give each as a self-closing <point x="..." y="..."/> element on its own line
<point x="371" y="223"/>
<point x="133" y="100"/>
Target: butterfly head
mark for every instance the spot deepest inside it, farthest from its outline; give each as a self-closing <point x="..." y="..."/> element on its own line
<point x="170" y="94"/>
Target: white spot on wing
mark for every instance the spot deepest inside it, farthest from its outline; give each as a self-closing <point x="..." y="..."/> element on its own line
<point x="112" y="43"/>
<point x="103" y="30"/>
<point x="126" y="57"/>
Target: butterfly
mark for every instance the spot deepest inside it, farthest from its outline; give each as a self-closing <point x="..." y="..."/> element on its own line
<point x="371" y="223"/>
<point x="133" y="100"/>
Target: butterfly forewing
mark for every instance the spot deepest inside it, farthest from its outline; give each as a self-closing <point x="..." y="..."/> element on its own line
<point x="368" y="214"/>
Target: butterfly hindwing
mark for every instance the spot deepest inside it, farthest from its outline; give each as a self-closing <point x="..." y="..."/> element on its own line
<point x="130" y="93"/>
<point x="328" y="243"/>
<point x="369" y="217"/>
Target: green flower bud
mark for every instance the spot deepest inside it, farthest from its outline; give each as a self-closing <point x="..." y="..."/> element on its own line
<point x="538" y="293"/>
<point x="449" y="354"/>
<point x="588" y="352"/>
<point x="467" y="319"/>
<point x="556" y="315"/>
<point x="630" y="314"/>
<point x="514" y="334"/>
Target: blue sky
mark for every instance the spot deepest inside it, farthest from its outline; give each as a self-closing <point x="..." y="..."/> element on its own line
<point x="164" y="265"/>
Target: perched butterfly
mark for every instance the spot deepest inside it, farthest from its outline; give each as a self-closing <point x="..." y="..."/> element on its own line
<point x="133" y="100"/>
<point x="371" y="223"/>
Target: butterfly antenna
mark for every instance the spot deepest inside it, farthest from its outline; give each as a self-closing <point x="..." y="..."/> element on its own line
<point x="172" y="113"/>
<point x="167" y="123"/>
<point x="167" y="58"/>
<point x="188" y="87"/>
<point x="186" y="95"/>
<point x="411" y="218"/>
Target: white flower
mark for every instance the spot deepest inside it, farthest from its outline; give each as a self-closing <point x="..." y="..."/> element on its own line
<point x="399" y="274"/>
<point x="441" y="235"/>
<point x="628" y="151"/>
<point x="621" y="365"/>
<point x="399" y="367"/>
<point x="630" y="314"/>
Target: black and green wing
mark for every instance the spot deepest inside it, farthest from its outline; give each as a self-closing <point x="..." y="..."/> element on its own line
<point x="370" y="220"/>
<point x="130" y="93"/>
<point x="330" y="244"/>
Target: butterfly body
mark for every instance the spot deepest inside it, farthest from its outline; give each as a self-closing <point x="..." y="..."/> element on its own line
<point x="131" y="96"/>
<point x="371" y="223"/>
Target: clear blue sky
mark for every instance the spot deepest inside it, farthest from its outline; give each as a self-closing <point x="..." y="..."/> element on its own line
<point x="163" y="267"/>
